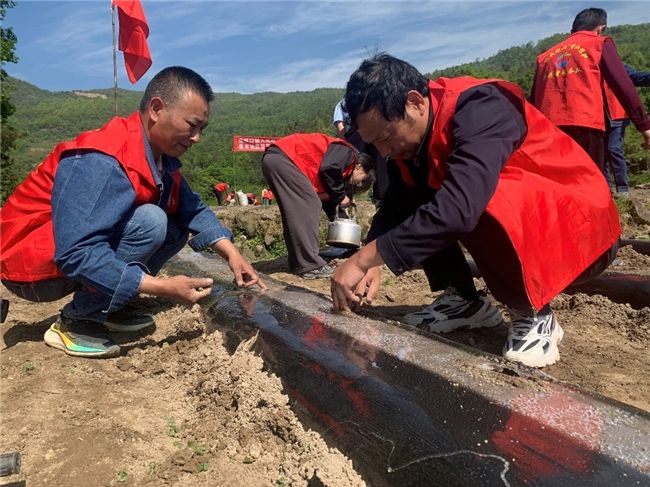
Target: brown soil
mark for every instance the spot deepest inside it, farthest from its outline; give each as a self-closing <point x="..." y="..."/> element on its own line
<point x="177" y="409"/>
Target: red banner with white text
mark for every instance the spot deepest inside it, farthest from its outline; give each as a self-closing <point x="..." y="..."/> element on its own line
<point x="252" y="143"/>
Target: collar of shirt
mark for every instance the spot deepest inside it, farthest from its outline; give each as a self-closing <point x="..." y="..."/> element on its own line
<point x="170" y="164"/>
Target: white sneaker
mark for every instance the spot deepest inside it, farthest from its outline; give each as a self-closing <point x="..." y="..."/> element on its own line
<point x="533" y="340"/>
<point x="451" y="311"/>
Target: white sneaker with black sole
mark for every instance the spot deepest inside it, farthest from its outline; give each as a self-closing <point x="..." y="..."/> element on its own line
<point x="450" y="311"/>
<point x="533" y="339"/>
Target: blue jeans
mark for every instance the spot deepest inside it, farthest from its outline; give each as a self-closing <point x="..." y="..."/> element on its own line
<point x="149" y="238"/>
<point x="617" y="166"/>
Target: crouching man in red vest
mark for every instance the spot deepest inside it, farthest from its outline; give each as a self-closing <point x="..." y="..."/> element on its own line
<point x="102" y="213"/>
<point x="471" y="161"/>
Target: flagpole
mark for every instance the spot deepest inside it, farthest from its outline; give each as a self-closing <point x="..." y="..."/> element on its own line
<point x="114" y="59"/>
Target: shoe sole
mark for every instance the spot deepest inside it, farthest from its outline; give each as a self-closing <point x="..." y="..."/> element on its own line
<point x="549" y="358"/>
<point x="453" y="325"/>
<point x="54" y="340"/>
<point x="126" y="328"/>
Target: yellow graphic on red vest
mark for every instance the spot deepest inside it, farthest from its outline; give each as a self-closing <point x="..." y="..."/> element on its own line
<point x="563" y="62"/>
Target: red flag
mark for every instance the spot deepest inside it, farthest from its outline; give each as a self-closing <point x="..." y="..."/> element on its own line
<point x="133" y="38"/>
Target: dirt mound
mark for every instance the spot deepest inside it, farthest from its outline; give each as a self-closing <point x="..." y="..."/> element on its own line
<point x="176" y="409"/>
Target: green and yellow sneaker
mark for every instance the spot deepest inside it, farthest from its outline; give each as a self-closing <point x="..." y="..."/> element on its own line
<point x="81" y="338"/>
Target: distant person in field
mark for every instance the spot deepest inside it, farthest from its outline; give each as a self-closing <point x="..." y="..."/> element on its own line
<point x="341" y="120"/>
<point x="571" y="78"/>
<point x="307" y="173"/>
<point x="267" y="196"/>
<point x="617" y="122"/>
<point x="219" y="189"/>
<point x="473" y="163"/>
<point x="103" y="213"/>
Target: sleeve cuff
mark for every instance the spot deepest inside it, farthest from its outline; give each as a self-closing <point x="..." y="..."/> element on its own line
<point x="128" y="287"/>
<point x="203" y="240"/>
<point x="391" y="257"/>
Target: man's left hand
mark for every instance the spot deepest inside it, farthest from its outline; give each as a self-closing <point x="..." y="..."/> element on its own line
<point x="244" y="273"/>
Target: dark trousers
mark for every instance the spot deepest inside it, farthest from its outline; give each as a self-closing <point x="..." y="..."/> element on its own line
<point x="616" y="163"/>
<point x="498" y="263"/>
<point x="591" y="140"/>
<point x="218" y="195"/>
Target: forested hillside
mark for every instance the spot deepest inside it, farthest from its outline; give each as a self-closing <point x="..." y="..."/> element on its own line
<point x="43" y="118"/>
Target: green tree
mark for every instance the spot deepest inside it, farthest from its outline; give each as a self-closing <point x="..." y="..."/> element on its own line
<point x="8" y="134"/>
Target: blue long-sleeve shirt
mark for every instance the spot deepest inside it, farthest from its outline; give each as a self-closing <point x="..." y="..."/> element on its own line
<point x="91" y="198"/>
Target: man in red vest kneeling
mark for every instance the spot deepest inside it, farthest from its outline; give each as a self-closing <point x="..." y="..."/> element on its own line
<point x="102" y="213"/>
<point x="472" y="162"/>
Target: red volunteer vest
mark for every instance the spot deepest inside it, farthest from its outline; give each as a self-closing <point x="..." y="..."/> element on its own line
<point x="307" y="150"/>
<point x="27" y="245"/>
<point x="614" y="107"/>
<point x="568" y="83"/>
<point x="551" y="199"/>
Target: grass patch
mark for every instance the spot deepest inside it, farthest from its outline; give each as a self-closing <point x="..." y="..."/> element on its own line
<point x="29" y="368"/>
<point x="172" y="428"/>
<point x="122" y="475"/>
<point x="198" y="449"/>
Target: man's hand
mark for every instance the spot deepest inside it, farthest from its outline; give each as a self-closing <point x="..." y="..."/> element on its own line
<point x="244" y="273"/>
<point x="188" y="290"/>
<point x="344" y="284"/>
<point x="369" y="286"/>
<point x="359" y="276"/>
<point x="646" y="139"/>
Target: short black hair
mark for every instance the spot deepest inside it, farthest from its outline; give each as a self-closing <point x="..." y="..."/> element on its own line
<point x="382" y="82"/>
<point x="170" y="83"/>
<point x="368" y="165"/>
<point x="589" y="19"/>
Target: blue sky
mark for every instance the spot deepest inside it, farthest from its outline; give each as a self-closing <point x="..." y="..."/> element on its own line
<point x="250" y="47"/>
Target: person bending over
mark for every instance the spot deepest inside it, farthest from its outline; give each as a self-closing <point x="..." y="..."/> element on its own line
<point x="307" y="173"/>
<point x="472" y="162"/>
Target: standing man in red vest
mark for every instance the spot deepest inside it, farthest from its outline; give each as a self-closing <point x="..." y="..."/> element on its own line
<point x="102" y="213"/>
<point x="570" y="80"/>
<point x="471" y="161"/>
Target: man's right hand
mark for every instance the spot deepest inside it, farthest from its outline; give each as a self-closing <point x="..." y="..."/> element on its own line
<point x="646" y="139"/>
<point x="188" y="290"/>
